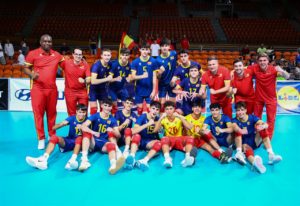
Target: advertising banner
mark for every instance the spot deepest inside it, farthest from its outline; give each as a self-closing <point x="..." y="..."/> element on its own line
<point x="3" y="94"/>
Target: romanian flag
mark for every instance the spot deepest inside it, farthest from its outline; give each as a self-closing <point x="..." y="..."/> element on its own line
<point x="126" y="41"/>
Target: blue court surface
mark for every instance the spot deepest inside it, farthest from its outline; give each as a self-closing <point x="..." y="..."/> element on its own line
<point x="207" y="183"/>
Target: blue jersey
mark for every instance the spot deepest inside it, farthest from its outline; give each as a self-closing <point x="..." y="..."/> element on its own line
<point x="169" y="63"/>
<point x="182" y="72"/>
<point x="144" y="87"/>
<point x="72" y="122"/>
<point x="146" y="133"/>
<point x="190" y="87"/>
<point x="117" y="69"/>
<point x="249" y="124"/>
<point x="223" y="123"/>
<point x="100" y="124"/>
<point x="121" y="117"/>
<point x="102" y="72"/>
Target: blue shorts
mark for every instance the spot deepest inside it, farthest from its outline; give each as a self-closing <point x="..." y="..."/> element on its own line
<point x="99" y="144"/>
<point x="164" y="90"/>
<point x="69" y="144"/>
<point x="250" y="141"/>
<point x="140" y="99"/>
<point x="95" y="95"/>
<point x="121" y="94"/>
<point x="143" y="144"/>
<point x="222" y="142"/>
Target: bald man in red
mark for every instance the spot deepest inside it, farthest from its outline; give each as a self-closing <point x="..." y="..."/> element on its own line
<point x="41" y="66"/>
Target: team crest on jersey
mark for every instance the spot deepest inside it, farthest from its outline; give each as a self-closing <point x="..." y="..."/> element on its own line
<point x="221" y="123"/>
<point x="197" y="85"/>
<point x="171" y="58"/>
<point x="108" y="121"/>
<point x="248" y="123"/>
<point x="127" y="68"/>
<point x="220" y="75"/>
<point x="140" y="64"/>
<point x="247" y="75"/>
<point x="149" y="63"/>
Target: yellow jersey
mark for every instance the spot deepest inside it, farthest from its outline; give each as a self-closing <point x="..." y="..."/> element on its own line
<point x="197" y="124"/>
<point x="172" y="128"/>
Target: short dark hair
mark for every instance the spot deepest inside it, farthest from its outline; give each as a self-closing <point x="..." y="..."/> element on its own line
<point x="130" y="99"/>
<point x="165" y="41"/>
<point x="240" y="104"/>
<point x="124" y="51"/>
<point x="105" y="50"/>
<point x="169" y="104"/>
<point x="155" y="104"/>
<point x="194" y="67"/>
<point x="215" y="106"/>
<point x="213" y="57"/>
<point x="107" y="101"/>
<point x="145" y="45"/>
<point x="196" y="103"/>
<point x="81" y="107"/>
<point x="184" y="51"/>
<point x="236" y="61"/>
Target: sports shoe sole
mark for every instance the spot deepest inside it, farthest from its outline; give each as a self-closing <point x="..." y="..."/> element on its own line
<point x="119" y="164"/>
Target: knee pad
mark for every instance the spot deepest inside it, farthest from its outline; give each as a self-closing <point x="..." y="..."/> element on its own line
<point x="237" y="134"/>
<point x="54" y="139"/>
<point x="140" y="110"/>
<point x="78" y="140"/>
<point x="165" y="141"/>
<point x="111" y="135"/>
<point x="110" y="147"/>
<point x="127" y="132"/>
<point x="208" y="136"/>
<point x="249" y="152"/>
<point x="156" y="146"/>
<point x="216" y="154"/>
<point x="136" y="139"/>
<point x="264" y="133"/>
<point x="194" y="152"/>
<point x="189" y="140"/>
<point x="87" y="135"/>
<point x="93" y="110"/>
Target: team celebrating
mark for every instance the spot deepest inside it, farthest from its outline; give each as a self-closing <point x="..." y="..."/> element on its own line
<point x="158" y="126"/>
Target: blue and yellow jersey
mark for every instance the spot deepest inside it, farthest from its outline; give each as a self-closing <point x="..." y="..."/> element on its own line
<point x="102" y="72"/>
<point x="121" y="117"/>
<point x="169" y="63"/>
<point x="249" y="123"/>
<point x="223" y="123"/>
<point x="182" y="72"/>
<point x="100" y="124"/>
<point x="73" y="130"/>
<point x="117" y="69"/>
<point x="147" y="133"/>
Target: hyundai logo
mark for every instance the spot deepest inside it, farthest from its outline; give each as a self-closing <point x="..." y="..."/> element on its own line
<point x="23" y="94"/>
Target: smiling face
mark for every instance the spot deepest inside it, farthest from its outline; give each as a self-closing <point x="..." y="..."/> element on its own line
<point x="169" y="111"/>
<point x="154" y="111"/>
<point x="184" y="58"/>
<point x="263" y="62"/>
<point x="213" y="65"/>
<point x="46" y="43"/>
<point x="77" y="55"/>
<point x="241" y="112"/>
<point x="239" y="68"/>
<point x="105" y="56"/>
<point x="80" y="114"/>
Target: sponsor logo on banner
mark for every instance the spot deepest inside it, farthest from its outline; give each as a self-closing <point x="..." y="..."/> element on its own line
<point x="20" y="99"/>
<point x="288" y="97"/>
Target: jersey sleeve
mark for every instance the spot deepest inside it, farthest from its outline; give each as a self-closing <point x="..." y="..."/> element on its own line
<point x="94" y="68"/>
<point x="204" y="79"/>
<point x="69" y="119"/>
<point x="140" y="120"/>
<point x="29" y="59"/>
<point x="113" y="122"/>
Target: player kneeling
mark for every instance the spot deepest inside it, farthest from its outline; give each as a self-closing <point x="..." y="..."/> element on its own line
<point x="144" y="138"/>
<point x="71" y="142"/>
<point x="252" y="132"/>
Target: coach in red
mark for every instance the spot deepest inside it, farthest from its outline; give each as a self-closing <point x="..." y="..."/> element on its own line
<point x="41" y="66"/>
<point x="265" y="89"/>
<point x="217" y="78"/>
<point x="77" y="75"/>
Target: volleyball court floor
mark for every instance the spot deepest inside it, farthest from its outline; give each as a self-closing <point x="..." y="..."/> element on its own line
<point x="207" y="183"/>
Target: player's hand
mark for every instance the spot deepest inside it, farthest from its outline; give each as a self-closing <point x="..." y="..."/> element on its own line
<point x="152" y="95"/>
<point x="109" y="78"/>
<point x="96" y="134"/>
<point x="109" y="129"/>
<point x="212" y="91"/>
<point x="35" y="75"/>
<point x="81" y="80"/>
<point x="261" y="127"/>
<point x="193" y="95"/>
<point x="118" y="79"/>
<point x="126" y="123"/>
<point x="219" y="130"/>
<point x="243" y="131"/>
<point x="185" y="95"/>
<point x="151" y="121"/>
<point x="197" y="129"/>
<point x="133" y="119"/>
<point x="162" y="69"/>
<point x="78" y="126"/>
<point x="145" y="75"/>
<point x="234" y="90"/>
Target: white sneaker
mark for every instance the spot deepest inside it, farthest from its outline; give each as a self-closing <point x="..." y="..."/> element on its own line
<point x="84" y="165"/>
<point x="119" y="154"/>
<point x="273" y="159"/>
<point x="71" y="165"/>
<point x="258" y="164"/>
<point x="142" y="164"/>
<point x="188" y="161"/>
<point x="39" y="163"/>
<point x="240" y="158"/>
<point x="116" y="167"/>
<point x="168" y="162"/>
<point x="125" y="153"/>
<point x="41" y="144"/>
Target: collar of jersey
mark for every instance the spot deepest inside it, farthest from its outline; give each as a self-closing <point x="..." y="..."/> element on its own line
<point x="145" y="60"/>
